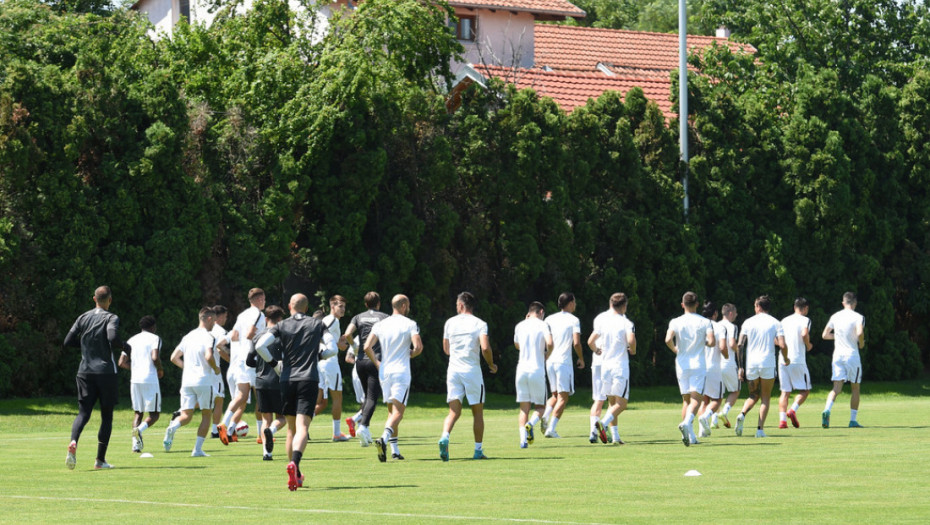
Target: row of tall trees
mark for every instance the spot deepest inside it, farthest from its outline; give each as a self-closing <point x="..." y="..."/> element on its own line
<point x="185" y="171"/>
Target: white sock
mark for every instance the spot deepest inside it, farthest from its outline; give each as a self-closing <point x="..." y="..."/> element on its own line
<point x="726" y="408"/>
<point x="615" y="433"/>
<point x="477" y="446"/>
<point x="143" y="427"/>
<point x="199" y="446"/>
<point x="534" y="419"/>
<point x="337" y="429"/>
<point x="176" y="424"/>
<point x="852" y="414"/>
<point x="388" y="432"/>
<point x="394" y="449"/>
<point x="593" y="421"/>
<point x="795" y="406"/>
<point x="445" y="435"/>
<point x="213" y="428"/>
<point x="553" y="422"/>
<point x="547" y="413"/>
<point x="259" y="424"/>
<point x="274" y="426"/>
<point x="227" y="418"/>
<point x="689" y="419"/>
<point x="522" y="435"/>
<point x="783" y="416"/>
<point x="362" y="428"/>
<point x="357" y="417"/>
<point x="828" y="406"/>
<point x="607" y="419"/>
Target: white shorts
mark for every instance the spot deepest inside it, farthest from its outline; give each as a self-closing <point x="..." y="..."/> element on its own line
<point x="561" y="377"/>
<point x="691" y="380"/>
<point x="233" y="379"/>
<point x="760" y="372"/>
<point x="238" y="375"/>
<point x="615" y="384"/>
<point x="713" y="383"/>
<point x="330" y="377"/>
<point x="730" y="378"/>
<point x="146" y="397"/>
<point x="396" y="387"/>
<point x="531" y="387"/>
<point x="848" y="369"/>
<point x="220" y="391"/>
<point x="794" y="377"/>
<point x="191" y="396"/>
<point x="598" y="389"/>
<point x="467" y="385"/>
<point x="357" y="386"/>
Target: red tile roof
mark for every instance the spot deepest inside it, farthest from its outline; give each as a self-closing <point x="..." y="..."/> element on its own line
<point x="549" y="9"/>
<point x="582" y="48"/>
<point x="570" y="89"/>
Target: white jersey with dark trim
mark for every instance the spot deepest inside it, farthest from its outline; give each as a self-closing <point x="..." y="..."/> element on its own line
<point x="194" y="346"/>
<point x="464" y="332"/>
<point x="395" y="335"/>
<point x="793" y="325"/>
<point x="844" y="324"/>
<point x="563" y="326"/>
<point x="143" y="368"/>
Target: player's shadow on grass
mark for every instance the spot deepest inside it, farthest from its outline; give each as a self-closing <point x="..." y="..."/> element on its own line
<point x="369" y="487"/>
<point x="164" y="467"/>
<point x="896" y="427"/>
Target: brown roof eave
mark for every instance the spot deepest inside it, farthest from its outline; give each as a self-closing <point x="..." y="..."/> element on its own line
<point x="542" y="14"/>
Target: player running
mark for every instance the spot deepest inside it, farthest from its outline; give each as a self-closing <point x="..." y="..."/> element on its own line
<point x="616" y="335"/>
<point x="330" y="373"/>
<point x="368" y="375"/>
<point x="240" y="377"/>
<point x="687" y="336"/>
<point x="532" y="339"/>
<point x="268" y="400"/>
<point x="144" y="362"/>
<point x="730" y="365"/>
<point x="566" y="335"/>
<point x="795" y="377"/>
<point x="760" y="335"/>
<point x="847" y="329"/>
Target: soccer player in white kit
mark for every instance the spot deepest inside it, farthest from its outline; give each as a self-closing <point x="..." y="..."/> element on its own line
<point x="220" y="333"/>
<point x="713" y="381"/>
<point x="760" y="335"/>
<point x="144" y="361"/>
<point x="730" y="365"/>
<point x="241" y="378"/>
<point x="566" y="335"/>
<point x="598" y="393"/>
<point x="330" y="373"/>
<point x="463" y="337"/>
<point x="795" y="377"/>
<point x="616" y="336"/>
<point x="532" y="339"/>
<point x="847" y="329"/>
<point x="687" y="336"/>
<point x="400" y="342"/>
<point x="195" y="356"/>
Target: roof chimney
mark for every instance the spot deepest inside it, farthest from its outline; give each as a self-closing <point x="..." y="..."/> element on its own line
<point x="723" y="32"/>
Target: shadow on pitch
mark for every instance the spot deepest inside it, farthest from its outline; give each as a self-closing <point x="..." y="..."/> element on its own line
<point x="369" y="487"/>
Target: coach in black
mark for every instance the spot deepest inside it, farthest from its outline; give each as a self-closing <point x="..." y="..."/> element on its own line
<point x="300" y="336"/>
<point x="95" y="333"/>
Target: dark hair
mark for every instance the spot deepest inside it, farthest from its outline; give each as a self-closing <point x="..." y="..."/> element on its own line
<point x="467" y="299"/>
<point x="709" y="309"/>
<point x="801" y="302"/>
<point x="206" y="312"/>
<point x="147" y="323"/>
<point x="565" y="299"/>
<point x="764" y="302"/>
<point x="372" y="300"/>
<point x="689" y="299"/>
<point x="727" y="308"/>
<point x="617" y="300"/>
<point x="849" y="298"/>
<point x="220" y="310"/>
<point x="536" y="307"/>
<point x="275" y="313"/>
<point x="256" y="292"/>
<point x="102" y="293"/>
<point x="317" y="314"/>
<point x="337" y="299"/>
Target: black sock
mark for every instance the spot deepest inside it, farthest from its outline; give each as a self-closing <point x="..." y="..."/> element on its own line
<point x="102" y="452"/>
<point x="296" y="459"/>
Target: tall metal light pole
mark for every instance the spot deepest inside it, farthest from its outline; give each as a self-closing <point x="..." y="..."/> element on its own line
<point x="683" y="96"/>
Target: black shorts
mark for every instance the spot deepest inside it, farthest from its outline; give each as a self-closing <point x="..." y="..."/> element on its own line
<point x="269" y="400"/>
<point x="93" y="387"/>
<point x="300" y="397"/>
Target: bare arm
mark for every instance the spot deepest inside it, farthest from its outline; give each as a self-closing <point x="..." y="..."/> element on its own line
<point x="549" y="345"/>
<point x="156" y="360"/>
<point x="445" y="346"/>
<point x="177" y="358"/>
<point x="670" y="340"/>
<point x="860" y="334"/>
<point x="741" y="356"/>
<point x="592" y="343"/>
<point x="369" y="345"/>
<point x="722" y="346"/>
<point x="828" y="333"/>
<point x="350" y="334"/>
<point x="710" y="340"/>
<point x="223" y="348"/>
<point x="631" y="343"/>
<point x="487" y="353"/>
<point x="806" y="337"/>
<point x="234" y="335"/>
<point x="780" y="343"/>
<point x="124" y="361"/>
<point x="417" y="345"/>
<point x="576" y="343"/>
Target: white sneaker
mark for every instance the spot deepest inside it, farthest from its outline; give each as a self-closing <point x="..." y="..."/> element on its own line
<point x="685" y="434"/>
<point x="71" y="459"/>
<point x="340" y="438"/>
<point x="760" y="433"/>
<point x="169" y="438"/>
<point x="715" y="421"/>
<point x="199" y="454"/>
<point x="102" y="465"/>
<point x="551" y="434"/>
<point x="739" y="424"/>
<point x="364" y="437"/>
<point x="136" y="440"/>
<point x="704" y="424"/>
<point x="543" y="425"/>
<point x="135" y="445"/>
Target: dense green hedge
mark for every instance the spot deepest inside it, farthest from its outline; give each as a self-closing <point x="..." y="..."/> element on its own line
<point x="186" y="171"/>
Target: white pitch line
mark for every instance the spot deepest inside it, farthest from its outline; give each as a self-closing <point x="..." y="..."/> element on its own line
<point x="302" y="511"/>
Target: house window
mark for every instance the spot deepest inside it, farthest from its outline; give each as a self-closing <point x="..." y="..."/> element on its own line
<point x="466" y="28"/>
<point x="184" y="9"/>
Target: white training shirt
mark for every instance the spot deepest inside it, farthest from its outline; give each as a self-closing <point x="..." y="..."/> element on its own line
<point x="691" y="332"/>
<point x="844" y="324"/>
<point x="793" y="325"/>
<point x="563" y="326"/>
<point x="596" y="359"/>
<point x="335" y="330"/>
<point x="221" y="335"/>
<point x="530" y="335"/>
<point x="731" y="334"/>
<point x="612" y="333"/>
<point x="760" y="331"/>
<point x="240" y="349"/>
<point x="143" y="368"/>
<point x="713" y="359"/>
<point x="197" y="371"/>
<point x="395" y="335"/>
<point x="463" y="332"/>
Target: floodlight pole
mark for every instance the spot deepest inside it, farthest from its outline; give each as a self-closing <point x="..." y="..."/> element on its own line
<point x="683" y="97"/>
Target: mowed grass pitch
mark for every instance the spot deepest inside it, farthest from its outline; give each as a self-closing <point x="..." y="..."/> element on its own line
<point x="878" y="474"/>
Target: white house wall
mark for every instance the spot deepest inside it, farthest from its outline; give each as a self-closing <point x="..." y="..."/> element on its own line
<point x="504" y="38"/>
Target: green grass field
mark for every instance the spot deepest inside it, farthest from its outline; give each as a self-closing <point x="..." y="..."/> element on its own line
<point x="878" y="474"/>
